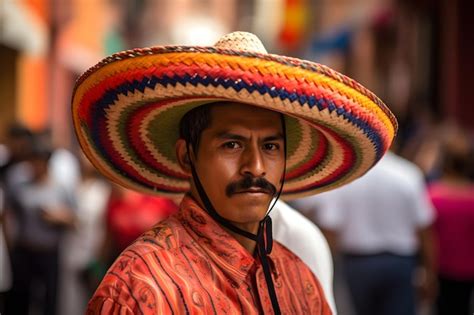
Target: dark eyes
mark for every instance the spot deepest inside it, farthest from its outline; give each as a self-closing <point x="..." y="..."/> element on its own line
<point x="236" y="145"/>
<point x="271" y="146"/>
<point x="231" y="145"/>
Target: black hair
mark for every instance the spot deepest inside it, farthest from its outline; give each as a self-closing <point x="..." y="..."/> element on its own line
<point x="41" y="151"/>
<point x="457" y="162"/>
<point x="17" y="130"/>
<point x="193" y="124"/>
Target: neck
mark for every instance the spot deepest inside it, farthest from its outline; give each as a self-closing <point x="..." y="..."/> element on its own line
<point x="252" y="227"/>
<point x="40" y="178"/>
<point x="247" y="243"/>
<point x="455" y="179"/>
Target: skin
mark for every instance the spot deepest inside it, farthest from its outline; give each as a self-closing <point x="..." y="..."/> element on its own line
<point x="241" y="141"/>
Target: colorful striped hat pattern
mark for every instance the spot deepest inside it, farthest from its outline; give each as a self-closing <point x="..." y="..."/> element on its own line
<point x="127" y="109"/>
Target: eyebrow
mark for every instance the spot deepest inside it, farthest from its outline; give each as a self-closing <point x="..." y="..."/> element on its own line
<point x="232" y="136"/>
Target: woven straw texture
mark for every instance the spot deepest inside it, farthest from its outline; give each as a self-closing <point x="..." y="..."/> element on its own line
<point x="127" y="108"/>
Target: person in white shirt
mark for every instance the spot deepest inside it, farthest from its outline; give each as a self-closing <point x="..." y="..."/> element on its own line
<point x="380" y="223"/>
<point x="82" y="245"/>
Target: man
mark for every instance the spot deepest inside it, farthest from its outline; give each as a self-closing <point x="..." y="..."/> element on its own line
<point x="380" y="223"/>
<point x="43" y="211"/>
<point x="232" y="128"/>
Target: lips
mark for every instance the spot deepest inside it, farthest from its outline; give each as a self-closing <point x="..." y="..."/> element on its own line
<point x="253" y="191"/>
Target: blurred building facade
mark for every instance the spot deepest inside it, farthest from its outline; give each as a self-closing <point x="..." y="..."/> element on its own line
<point x="414" y="54"/>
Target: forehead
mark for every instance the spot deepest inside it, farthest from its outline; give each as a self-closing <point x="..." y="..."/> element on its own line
<point x="236" y="115"/>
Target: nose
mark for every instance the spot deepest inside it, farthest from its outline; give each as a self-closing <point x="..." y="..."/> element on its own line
<point x="253" y="161"/>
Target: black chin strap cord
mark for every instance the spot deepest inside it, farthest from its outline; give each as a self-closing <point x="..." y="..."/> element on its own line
<point x="210" y="209"/>
<point x="264" y="236"/>
<point x="265" y="232"/>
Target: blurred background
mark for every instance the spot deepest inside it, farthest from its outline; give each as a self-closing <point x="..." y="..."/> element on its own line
<point x="416" y="55"/>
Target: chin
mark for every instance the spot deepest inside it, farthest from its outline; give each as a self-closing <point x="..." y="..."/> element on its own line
<point x="249" y="209"/>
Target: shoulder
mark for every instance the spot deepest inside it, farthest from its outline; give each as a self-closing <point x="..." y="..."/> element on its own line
<point x="161" y="238"/>
<point x="157" y="245"/>
<point x="139" y="277"/>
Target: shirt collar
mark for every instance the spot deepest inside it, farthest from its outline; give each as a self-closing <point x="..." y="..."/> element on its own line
<point x="218" y="244"/>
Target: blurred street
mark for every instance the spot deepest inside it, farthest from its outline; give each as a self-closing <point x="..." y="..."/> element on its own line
<point x="62" y="224"/>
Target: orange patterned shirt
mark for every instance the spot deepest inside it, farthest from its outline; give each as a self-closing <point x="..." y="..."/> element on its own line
<point x="188" y="264"/>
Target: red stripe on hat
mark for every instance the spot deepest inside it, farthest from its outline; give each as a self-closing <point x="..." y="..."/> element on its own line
<point x="348" y="162"/>
<point x="318" y="156"/>
<point x="122" y="165"/>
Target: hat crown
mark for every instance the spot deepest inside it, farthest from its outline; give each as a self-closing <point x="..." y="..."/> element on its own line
<point x="241" y="41"/>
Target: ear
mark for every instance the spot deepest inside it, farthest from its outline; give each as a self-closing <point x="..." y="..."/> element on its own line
<point x="182" y="156"/>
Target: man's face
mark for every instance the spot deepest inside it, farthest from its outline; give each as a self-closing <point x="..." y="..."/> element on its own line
<point x="240" y="161"/>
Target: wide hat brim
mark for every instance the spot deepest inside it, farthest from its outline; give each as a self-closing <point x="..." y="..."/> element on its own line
<point x="127" y="109"/>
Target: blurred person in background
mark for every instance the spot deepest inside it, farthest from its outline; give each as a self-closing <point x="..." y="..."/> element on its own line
<point x="82" y="244"/>
<point x="382" y="224"/>
<point x="65" y="168"/>
<point x="13" y="170"/>
<point x="453" y="197"/>
<point x="43" y="211"/>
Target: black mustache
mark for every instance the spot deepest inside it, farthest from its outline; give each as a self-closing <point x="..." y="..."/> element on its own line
<point x="249" y="182"/>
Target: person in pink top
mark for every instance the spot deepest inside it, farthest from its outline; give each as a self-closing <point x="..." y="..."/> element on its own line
<point x="453" y="198"/>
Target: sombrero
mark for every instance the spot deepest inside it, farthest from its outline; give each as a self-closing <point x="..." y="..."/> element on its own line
<point x="127" y="109"/>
